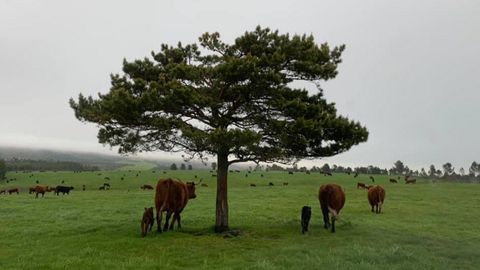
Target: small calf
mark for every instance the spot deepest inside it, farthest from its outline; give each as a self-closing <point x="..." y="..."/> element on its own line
<point x="204" y="185"/>
<point x="285" y="183"/>
<point x="147" y="221"/>
<point x="393" y="180"/>
<point x="253" y="185"/>
<point x="270" y="184"/>
<point x="306" y="215"/>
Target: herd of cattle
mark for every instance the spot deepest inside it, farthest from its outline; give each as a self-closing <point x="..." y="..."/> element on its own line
<point x="171" y="197"/>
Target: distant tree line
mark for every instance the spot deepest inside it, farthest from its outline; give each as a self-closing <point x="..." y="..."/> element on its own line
<point x="45" y="165"/>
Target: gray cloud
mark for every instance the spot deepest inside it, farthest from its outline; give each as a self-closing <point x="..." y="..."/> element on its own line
<point x="410" y="71"/>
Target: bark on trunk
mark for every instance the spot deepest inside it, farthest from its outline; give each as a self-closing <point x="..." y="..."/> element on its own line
<point x="221" y="222"/>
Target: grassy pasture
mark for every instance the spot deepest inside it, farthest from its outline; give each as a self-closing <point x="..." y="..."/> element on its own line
<point x="424" y="226"/>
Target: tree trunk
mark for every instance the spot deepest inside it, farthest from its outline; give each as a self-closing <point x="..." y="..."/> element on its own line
<point x="221" y="222"/>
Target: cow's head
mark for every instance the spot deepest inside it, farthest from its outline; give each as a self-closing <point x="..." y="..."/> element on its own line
<point x="191" y="190"/>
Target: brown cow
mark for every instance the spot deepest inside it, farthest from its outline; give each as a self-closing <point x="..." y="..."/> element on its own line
<point x="172" y="196"/>
<point x="332" y="199"/>
<point x="147" y="221"/>
<point x="3" y="191"/>
<point x="144" y="187"/>
<point x="410" y="181"/>
<point x="42" y="190"/>
<point x="376" y="197"/>
<point x="31" y="190"/>
<point x="13" y="190"/>
<point x="361" y="185"/>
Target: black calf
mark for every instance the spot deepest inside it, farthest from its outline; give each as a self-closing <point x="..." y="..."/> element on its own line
<point x="306" y="214"/>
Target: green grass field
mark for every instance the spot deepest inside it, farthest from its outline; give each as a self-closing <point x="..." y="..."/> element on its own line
<point x="423" y="226"/>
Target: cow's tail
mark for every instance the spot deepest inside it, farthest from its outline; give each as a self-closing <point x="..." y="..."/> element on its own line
<point x="333" y="212"/>
<point x="379" y="199"/>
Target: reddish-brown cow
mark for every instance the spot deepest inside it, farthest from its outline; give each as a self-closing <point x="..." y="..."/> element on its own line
<point x="332" y="199"/>
<point x="41" y="190"/>
<point x="376" y="197"/>
<point x="147" y="221"/>
<point x="361" y="185"/>
<point x="13" y="190"/>
<point x="172" y="196"/>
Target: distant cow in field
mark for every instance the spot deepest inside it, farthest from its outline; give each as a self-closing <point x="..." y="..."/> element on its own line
<point x="83" y="187"/>
<point x="204" y="185"/>
<point x="306" y="214"/>
<point x="307" y="172"/>
<point x="270" y="184"/>
<point x="13" y="190"/>
<point x="31" y="190"/>
<point x="376" y="197"/>
<point x="410" y="181"/>
<point x="285" y="183"/>
<point x="393" y="180"/>
<point x="253" y="185"/>
<point x="63" y="190"/>
<point x="290" y="172"/>
<point x="332" y="200"/>
<point x="361" y="185"/>
<point x="172" y="197"/>
<point x="3" y="191"/>
<point x="147" y="221"/>
<point x="356" y="175"/>
<point x="371" y="178"/>
<point x="105" y="185"/>
<point x="144" y="187"/>
<point x="101" y="188"/>
<point x="41" y="190"/>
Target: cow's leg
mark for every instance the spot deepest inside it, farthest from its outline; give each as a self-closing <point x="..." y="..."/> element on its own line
<point x="167" y="218"/>
<point x="178" y="221"/>
<point x="373" y="206"/>
<point x="159" y="221"/>
<point x="174" y="218"/>
<point x="325" y="218"/>
<point x="333" y="224"/>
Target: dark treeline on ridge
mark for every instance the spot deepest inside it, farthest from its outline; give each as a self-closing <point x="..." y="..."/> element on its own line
<point x="46" y="165"/>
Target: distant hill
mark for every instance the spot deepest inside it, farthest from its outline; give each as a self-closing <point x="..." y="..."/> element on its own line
<point x="102" y="161"/>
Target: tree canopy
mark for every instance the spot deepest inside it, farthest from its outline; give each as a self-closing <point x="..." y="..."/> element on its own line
<point x="233" y="101"/>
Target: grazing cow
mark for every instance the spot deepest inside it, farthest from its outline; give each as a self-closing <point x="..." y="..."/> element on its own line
<point x="371" y="178"/>
<point x="332" y="199"/>
<point x="172" y="197"/>
<point x="290" y="172"/>
<point x="261" y="175"/>
<point x="356" y="175"/>
<point x="348" y="173"/>
<point x="285" y="183"/>
<point x="270" y="184"/>
<point x="106" y="178"/>
<point x="307" y="172"/>
<point x="3" y="191"/>
<point x="144" y="187"/>
<point x="214" y="175"/>
<point x="393" y="180"/>
<point x="83" y="187"/>
<point x="13" y="190"/>
<point x="41" y="190"/>
<point x="361" y="185"/>
<point x="63" y="190"/>
<point x="376" y="197"/>
<point x="147" y="221"/>
<point x="329" y="174"/>
<point x="253" y="185"/>
<point x="204" y="185"/>
<point x="31" y="190"/>
<point x="410" y="181"/>
<point x="106" y="185"/>
<point x="306" y="214"/>
<point x="101" y="188"/>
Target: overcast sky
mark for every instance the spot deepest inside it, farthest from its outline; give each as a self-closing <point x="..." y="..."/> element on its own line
<point x="410" y="73"/>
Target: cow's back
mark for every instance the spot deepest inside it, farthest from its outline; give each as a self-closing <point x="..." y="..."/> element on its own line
<point x="331" y="195"/>
<point x="170" y="195"/>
